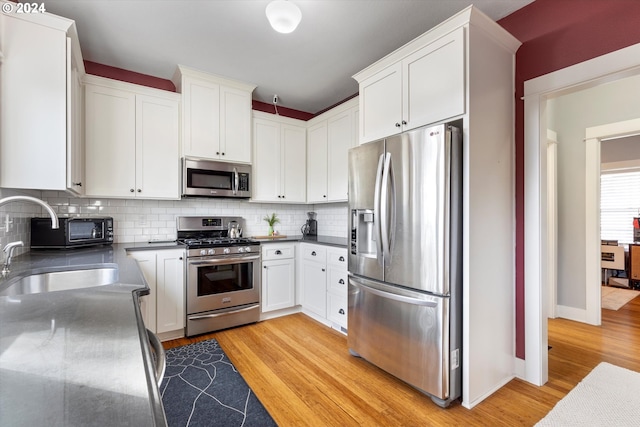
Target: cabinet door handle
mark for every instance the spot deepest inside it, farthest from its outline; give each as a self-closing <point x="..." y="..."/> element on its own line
<point x="341" y="281"/>
<point x="264" y="266"/>
<point x="398" y="125"/>
<point x="180" y="258"/>
<point x="313" y="253"/>
<point x="278" y="252"/>
<point x="341" y="259"/>
<point x="404" y="122"/>
<point x="217" y="153"/>
<point x="223" y="153"/>
<point x="341" y="311"/>
<point x="79" y="184"/>
<point x="131" y="190"/>
<point x="139" y="190"/>
<point x="323" y="269"/>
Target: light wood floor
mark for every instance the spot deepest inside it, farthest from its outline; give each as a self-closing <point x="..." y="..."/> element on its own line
<point x="303" y="374"/>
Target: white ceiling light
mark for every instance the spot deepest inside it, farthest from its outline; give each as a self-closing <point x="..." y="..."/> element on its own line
<point x="283" y="16"/>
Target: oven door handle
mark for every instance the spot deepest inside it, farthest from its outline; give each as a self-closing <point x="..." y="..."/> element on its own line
<point x="226" y="313"/>
<point x="219" y="261"/>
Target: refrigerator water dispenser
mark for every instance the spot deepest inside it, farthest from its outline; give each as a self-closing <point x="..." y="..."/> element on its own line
<point x="363" y="236"/>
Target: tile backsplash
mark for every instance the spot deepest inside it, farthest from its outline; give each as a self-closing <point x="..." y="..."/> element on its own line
<point x="14" y="219"/>
<point x="146" y="220"/>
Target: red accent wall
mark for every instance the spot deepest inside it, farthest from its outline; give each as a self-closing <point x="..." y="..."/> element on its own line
<point x="556" y="34"/>
<point x="155" y="82"/>
<point x="128" y="76"/>
<point x="283" y="111"/>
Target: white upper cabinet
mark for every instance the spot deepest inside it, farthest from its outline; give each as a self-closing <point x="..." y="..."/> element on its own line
<point x="279" y="159"/>
<point x="340" y="140"/>
<point x="381" y="103"/>
<point x="329" y="138"/>
<point x="132" y="141"/>
<point x="425" y="86"/>
<point x="216" y="116"/>
<point x="317" y="162"/>
<point x="41" y="114"/>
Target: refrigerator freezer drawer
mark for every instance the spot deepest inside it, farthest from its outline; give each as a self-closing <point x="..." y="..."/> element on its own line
<point x="405" y="333"/>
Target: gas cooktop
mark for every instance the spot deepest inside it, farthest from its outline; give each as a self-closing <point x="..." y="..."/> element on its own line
<point x="216" y="241"/>
<point x="198" y="232"/>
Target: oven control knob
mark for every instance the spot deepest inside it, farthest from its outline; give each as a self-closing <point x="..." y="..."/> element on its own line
<point x="226" y="250"/>
<point x="211" y="252"/>
<point x="240" y="250"/>
<point x="203" y="252"/>
<point x="247" y="249"/>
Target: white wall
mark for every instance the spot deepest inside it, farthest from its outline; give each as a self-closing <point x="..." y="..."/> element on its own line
<point x="620" y="150"/>
<point x="569" y="116"/>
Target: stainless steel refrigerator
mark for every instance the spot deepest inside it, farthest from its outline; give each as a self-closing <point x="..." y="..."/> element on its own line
<point x="405" y="266"/>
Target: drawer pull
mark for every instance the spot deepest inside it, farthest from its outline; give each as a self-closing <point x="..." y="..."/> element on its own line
<point x="278" y="252"/>
<point x="341" y="311"/>
<point x="341" y="281"/>
<point x="341" y="259"/>
<point x="313" y="253"/>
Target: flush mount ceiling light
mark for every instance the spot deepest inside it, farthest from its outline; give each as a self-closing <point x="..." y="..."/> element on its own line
<point x="283" y="16"/>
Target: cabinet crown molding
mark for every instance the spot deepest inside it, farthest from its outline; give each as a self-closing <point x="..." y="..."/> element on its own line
<point x="351" y="103"/>
<point x="130" y="87"/>
<point x="184" y="71"/>
<point x="471" y="16"/>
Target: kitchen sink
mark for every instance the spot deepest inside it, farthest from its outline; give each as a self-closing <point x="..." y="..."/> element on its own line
<point x="59" y="281"/>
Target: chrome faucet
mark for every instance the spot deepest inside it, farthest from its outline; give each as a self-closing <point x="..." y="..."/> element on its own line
<point x="9" y="248"/>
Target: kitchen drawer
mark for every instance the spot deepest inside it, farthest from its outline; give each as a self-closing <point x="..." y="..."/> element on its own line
<point x="337" y="257"/>
<point x="337" y="281"/>
<point x="337" y="309"/>
<point x="314" y="253"/>
<point x="273" y="251"/>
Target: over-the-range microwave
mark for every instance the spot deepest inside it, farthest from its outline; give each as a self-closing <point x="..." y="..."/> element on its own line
<point x="210" y="178"/>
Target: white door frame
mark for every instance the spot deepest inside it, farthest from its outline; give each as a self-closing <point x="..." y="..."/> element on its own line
<point x="552" y="222"/>
<point x="612" y="66"/>
<point x="593" y="138"/>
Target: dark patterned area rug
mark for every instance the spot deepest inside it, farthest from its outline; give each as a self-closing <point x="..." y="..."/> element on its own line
<point x="202" y="388"/>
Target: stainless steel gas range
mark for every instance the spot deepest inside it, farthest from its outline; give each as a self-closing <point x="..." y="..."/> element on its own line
<point x="223" y="273"/>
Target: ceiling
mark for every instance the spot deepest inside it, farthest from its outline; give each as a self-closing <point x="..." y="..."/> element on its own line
<point x="309" y="69"/>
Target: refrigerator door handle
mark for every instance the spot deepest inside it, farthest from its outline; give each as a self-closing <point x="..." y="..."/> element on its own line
<point x="387" y="219"/>
<point x="376" y="211"/>
<point x="393" y="296"/>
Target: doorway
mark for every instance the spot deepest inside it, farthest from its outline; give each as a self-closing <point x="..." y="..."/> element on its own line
<point x="607" y="68"/>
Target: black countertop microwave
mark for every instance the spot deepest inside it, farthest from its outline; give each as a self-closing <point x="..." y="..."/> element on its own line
<point x="72" y="233"/>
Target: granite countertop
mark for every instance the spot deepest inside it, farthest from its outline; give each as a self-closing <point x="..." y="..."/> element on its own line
<point x="78" y="357"/>
<point x="319" y="240"/>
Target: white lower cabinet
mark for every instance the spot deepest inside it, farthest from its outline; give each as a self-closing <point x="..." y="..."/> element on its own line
<point x="337" y="286"/>
<point x="323" y="279"/>
<point x="278" y="276"/>
<point x="163" y="310"/>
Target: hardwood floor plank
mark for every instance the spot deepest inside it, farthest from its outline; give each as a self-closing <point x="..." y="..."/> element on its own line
<point x="304" y="375"/>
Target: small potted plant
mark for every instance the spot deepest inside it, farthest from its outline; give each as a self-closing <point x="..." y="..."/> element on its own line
<point x="271" y="220"/>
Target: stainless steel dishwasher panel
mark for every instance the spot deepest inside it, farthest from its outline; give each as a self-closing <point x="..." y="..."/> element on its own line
<point x="403" y="332"/>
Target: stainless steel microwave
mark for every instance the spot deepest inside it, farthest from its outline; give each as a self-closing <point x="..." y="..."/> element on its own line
<point x="72" y="233"/>
<point x="209" y="178"/>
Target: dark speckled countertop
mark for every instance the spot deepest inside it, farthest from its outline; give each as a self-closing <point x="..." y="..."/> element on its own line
<point x="80" y="356"/>
<point x="320" y="240"/>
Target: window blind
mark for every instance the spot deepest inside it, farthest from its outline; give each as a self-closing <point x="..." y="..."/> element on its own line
<point x="619" y="204"/>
